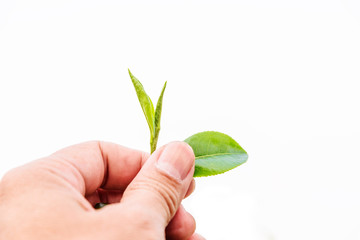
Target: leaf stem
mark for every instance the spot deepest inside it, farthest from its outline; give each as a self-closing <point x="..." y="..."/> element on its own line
<point x="153" y="143"/>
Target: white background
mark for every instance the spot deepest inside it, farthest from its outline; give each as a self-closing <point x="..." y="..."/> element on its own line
<point x="281" y="77"/>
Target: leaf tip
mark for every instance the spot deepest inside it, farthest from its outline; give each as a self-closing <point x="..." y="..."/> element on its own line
<point x="163" y="89"/>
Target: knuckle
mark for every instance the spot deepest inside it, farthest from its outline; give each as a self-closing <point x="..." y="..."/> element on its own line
<point x="139" y="221"/>
<point x="162" y="188"/>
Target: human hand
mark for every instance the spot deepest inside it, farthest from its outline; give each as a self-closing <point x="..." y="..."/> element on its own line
<point x="53" y="197"/>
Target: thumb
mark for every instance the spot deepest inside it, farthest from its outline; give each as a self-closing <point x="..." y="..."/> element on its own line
<point x="162" y="183"/>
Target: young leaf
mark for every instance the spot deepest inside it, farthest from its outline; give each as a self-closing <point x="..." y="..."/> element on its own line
<point x="215" y="153"/>
<point x="157" y="120"/>
<point x="146" y="104"/>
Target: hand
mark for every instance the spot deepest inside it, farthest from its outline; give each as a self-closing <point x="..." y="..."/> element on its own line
<point x="53" y="198"/>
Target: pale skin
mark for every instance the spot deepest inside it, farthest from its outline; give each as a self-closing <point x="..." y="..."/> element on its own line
<point x="52" y="198"/>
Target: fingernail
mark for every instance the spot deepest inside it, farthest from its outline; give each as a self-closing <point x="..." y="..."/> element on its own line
<point x="176" y="160"/>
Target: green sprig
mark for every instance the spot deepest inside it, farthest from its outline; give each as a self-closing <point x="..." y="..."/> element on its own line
<point x="215" y="152"/>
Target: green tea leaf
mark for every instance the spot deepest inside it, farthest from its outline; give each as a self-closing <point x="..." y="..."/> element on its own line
<point x="157" y="119"/>
<point x="146" y="104"/>
<point x="215" y="153"/>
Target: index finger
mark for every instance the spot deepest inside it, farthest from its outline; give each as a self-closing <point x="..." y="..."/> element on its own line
<point x="88" y="166"/>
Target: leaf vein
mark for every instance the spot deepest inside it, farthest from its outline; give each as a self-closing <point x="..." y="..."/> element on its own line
<point x="217" y="154"/>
